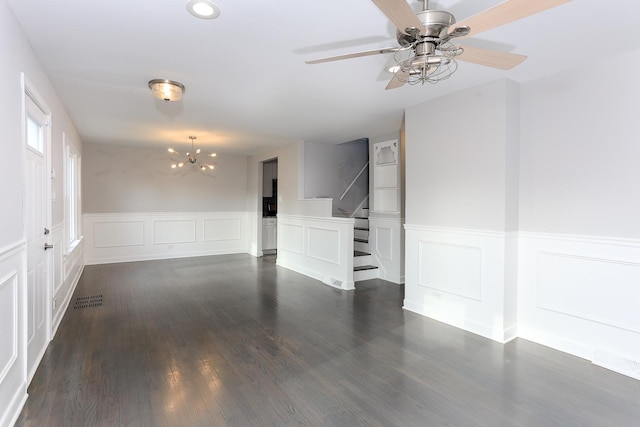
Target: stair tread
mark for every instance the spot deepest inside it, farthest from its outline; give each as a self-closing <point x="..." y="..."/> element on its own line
<point x="365" y="267"/>
<point x="361" y="217"/>
<point x="360" y="253"/>
<point x="361" y="240"/>
<point x="361" y="228"/>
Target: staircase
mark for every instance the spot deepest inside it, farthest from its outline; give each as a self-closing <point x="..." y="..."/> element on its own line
<point x="363" y="268"/>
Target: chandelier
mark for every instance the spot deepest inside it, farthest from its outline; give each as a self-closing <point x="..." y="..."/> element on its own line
<point x="191" y="158"/>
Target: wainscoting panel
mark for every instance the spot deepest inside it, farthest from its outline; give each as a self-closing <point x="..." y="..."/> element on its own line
<point x="581" y="295"/>
<point x="386" y="240"/>
<point x="454" y="269"/>
<point x="170" y="231"/>
<point x="318" y="247"/>
<point x="291" y="238"/>
<point x="68" y="266"/>
<point x="322" y="244"/>
<point x="9" y="319"/>
<point x="116" y="234"/>
<point x="163" y="235"/>
<point x="13" y="350"/>
<point x="216" y="229"/>
<point x="456" y="276"/>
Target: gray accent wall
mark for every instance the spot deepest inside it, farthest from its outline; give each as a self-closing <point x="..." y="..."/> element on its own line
<point x="329" y="169"/>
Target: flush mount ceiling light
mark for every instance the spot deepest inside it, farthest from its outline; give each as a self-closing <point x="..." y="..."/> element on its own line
<point x="191" y="158"/>
<point x="167" y="90"/>
<point x="203" y="9"/>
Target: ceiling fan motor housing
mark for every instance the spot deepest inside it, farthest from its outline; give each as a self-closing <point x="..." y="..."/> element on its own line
<point x="436" y="24"/>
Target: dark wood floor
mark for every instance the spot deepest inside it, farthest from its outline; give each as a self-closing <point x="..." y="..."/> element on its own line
<point x="234" y="340"/>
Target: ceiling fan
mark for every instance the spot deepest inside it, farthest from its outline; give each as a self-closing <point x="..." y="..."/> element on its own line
<point x="426" y="52"/>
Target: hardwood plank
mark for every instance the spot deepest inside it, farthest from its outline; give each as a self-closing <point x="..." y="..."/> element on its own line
<point x="237" y="341"/>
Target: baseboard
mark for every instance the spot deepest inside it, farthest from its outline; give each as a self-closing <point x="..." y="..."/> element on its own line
<point x="617" y="363"/>
<point x="344" y="285"/>
<point x="15" y="407"/>
<point x="467" y="325"/>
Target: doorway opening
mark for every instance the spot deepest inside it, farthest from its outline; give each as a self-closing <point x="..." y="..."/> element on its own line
<point x="269" y="204"/>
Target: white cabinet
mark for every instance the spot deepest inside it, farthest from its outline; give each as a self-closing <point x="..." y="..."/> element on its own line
<point x="269" y="233"/>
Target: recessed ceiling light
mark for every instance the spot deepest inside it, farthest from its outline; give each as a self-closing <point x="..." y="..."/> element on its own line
<point x="203" y="9"/>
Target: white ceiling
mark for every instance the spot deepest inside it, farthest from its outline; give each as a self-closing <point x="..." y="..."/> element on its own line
<point x="247" y="86"/>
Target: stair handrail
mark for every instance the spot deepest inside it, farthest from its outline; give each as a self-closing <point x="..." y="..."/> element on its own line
<point x="366" y="165"/>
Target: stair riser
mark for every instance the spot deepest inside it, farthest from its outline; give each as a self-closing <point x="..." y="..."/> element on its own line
<point x="362" y="223"/>
<point x="362" y="260"/>
<point x="361" y="234"/>
<point x="365" y="275"/>
<point x="359" y="246"/>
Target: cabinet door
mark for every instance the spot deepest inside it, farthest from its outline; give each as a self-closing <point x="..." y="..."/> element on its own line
<point x="269" y="236"/>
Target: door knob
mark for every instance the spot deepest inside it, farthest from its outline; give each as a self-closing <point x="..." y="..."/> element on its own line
<point x="46" y="231"/>
<point x="47" y="246"/>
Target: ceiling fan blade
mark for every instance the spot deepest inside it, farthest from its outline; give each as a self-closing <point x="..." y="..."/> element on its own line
<point x="354" y="55"/>
<point x="398" y="80"/>
<point x="504" y="13"/>
<point x="401" y="14"/>
<point x="491" y="58"/>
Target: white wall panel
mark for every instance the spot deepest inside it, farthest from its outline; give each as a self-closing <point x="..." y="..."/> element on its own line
<point x="113" y="234"/>
<point x="163" y="235"/>
<point x="68" y="266"/>
<point x="319" y="247"/>
<point x="454" y="269"/>
<point x="222" y="229"/>
<point x="291" y="238"/>
<point x="13" y="350"/>
<point x="386" y="240"/>
<point x="170" y="231"/>
<point x="456" y="276"/>
<point x="9" y="321"/>
<point x="580" y="295"/>
<point x="324" y="244"/>
<point x="597" y="289"/>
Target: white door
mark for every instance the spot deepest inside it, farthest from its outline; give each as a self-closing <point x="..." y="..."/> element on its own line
<point x="37" y="231"/>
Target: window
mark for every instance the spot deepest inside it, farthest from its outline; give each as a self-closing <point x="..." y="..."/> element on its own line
<point x="72" y="195"/>
<point x="35" y="138"/>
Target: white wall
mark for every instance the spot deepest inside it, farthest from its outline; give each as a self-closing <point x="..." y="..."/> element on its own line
<point x="580" y="151"/>
<point x="530" y="194"/>
<point x="17" y="57"/>
<point x="458" y="208"/>
<point x="118" y="179"/>
<point x="579" y="284"/>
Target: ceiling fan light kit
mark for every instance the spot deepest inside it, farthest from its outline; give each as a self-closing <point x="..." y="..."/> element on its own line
<point x="166" y="90"/>
<point x="427" y="36"/>
<point x="191" y="157"/>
